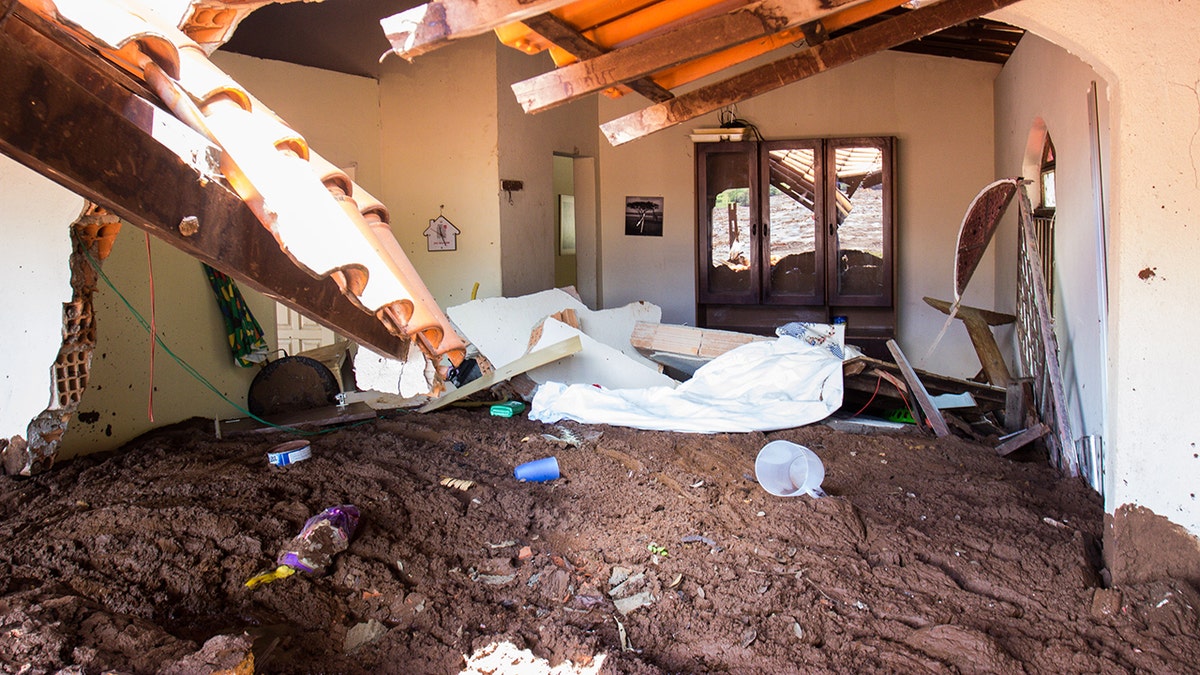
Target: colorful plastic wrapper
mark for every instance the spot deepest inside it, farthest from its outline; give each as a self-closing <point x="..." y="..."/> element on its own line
<point x="323" y="536"/>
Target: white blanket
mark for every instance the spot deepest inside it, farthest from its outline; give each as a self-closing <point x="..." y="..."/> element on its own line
<point x="760" y="386"/>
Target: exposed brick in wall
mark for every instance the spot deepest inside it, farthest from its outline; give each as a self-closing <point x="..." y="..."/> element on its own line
<point x="93" y="232"/>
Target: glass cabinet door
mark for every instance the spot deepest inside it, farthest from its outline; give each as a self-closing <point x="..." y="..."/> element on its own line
<point x="858" y="215"/>
<point x="792" y="204"/>
<point x="728" y="250"/>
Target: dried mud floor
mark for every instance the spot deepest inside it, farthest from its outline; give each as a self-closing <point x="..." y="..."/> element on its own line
<point x="929" y="556"/>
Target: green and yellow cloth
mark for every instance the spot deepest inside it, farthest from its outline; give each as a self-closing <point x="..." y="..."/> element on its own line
<point x="245" y="335"/>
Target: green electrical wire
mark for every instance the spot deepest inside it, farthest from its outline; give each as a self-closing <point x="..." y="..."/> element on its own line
<point x="187" y="367"/>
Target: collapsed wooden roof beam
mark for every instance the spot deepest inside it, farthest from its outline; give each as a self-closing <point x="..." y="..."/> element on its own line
<point x="812" y="61"/>
<point x="72" y="117"/>
<point x="436" y="24"/>
<point x="689" y="42"/>
<point x="565" y="36"/>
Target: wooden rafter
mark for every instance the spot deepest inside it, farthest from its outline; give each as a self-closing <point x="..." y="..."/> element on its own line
<point x="812" y="61"/>
<point x="565" y="36"/>
<point x="74" y="118"/>
<point x="691" y="41"/>
<point x="436" y="24"/>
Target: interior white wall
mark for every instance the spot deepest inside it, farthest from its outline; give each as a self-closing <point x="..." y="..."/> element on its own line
<point x="35" y="216"/>
<point x="1150" y="65"/>
<point x="939" y="109"/>
<point x="527" y="143"/>
<point x="440" y="155"/>
<point x="337" y="114"/>
<point x="1043" y="84"/>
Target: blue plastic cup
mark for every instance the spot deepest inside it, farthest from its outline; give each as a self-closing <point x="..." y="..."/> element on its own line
<point x="538" y="471"/>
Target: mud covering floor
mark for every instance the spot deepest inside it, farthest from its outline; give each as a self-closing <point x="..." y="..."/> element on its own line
<point x="654" y="552"/>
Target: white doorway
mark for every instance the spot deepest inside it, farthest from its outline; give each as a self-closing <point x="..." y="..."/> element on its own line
<point x="298" y="333"/>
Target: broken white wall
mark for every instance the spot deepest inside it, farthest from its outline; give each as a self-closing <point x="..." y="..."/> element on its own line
<point x="339" y="116"/>
<point x="1146" y="53"/>
<point x="529" y="232"/>
<point x="939" y="109"/>
<point x="113" y="409"/>
<point x="35" y="216"/>
<point x="1040" y="85"/>
<point x="440" y="155"/>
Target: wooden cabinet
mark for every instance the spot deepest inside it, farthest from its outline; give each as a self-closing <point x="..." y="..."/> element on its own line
<point x="798" y="230"/>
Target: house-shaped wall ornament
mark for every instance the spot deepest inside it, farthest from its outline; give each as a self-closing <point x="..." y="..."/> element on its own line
<point x="441" y="235"/>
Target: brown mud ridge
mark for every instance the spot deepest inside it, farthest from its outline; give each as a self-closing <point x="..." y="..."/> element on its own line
<point x="655" y="552"/>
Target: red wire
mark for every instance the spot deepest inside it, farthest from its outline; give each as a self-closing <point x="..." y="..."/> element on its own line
<point x="153" y="329"/>
<point x="878" y="381"/>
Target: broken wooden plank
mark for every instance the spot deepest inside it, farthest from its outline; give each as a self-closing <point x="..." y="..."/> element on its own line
<point x="812" y="61"/>
<point x="1022" y="439"/>
<point x="436" y="24"/>
<point x="541" y="357"/>
<point x="987" y="397"/>
<point x="918" y="390"/>
<point x="303" y="419"/>
<point x="706" y="343"/>
<point x="565" y="36"/>
<point x="691" y="41"/>
<point x="67" y="114"/>
<point x="978" y="322"/>
<point x="1018" y="403"/>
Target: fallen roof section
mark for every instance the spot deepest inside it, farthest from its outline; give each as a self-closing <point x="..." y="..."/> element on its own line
<point x="318" y="217"/>
<point x="72" y="117"/>
<point x="653" y="47"/>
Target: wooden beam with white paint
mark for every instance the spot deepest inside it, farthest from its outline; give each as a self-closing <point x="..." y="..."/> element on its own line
<point x="705" y="343"/>
<point x="691" y="41"/>
<point x="919" y="392"/>
<point x="571" y="40"/>
<point x="436" y="24"/>
<point x="815" y="60"/>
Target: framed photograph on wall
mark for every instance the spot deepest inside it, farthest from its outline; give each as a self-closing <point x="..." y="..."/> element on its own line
<point x="566" y="224"/>
<point x="644" y="216"/>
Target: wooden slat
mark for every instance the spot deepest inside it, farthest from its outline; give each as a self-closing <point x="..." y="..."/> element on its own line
<point x="71" y="117"/>
<point x="978" y="322"/>
<point x="693" y="40"/>
<point x="991" y="318"/>
<point x="1022" y="439"/>
<point x="564" y="35"/>
<point x="918" y="390"/>
<point x="304" y="419"/>
<point x="687" y="340"/>
<point x="818" y="59"/>
<point x="526" y="363"/>
<point x="436" y="24"/>
<point x="1060" y="425"/>
<point x="1018" y="403"/>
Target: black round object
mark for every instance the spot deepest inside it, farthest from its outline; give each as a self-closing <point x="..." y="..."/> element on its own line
<point x="291" y="384"/>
